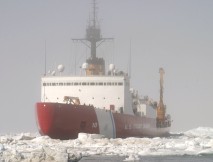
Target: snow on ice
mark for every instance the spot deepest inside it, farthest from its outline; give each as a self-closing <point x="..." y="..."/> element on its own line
<point x="30" y="147"/>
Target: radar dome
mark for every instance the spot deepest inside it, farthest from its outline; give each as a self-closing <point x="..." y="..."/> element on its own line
<point x="111" y="67"/>
<point x="60" y="68"/>
<point x="84" y="66"/>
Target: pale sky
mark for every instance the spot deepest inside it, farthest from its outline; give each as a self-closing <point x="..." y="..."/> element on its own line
<point x="174" y="34"/>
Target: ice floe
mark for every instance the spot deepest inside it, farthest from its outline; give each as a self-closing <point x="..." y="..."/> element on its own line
<point x="33" y="147"/>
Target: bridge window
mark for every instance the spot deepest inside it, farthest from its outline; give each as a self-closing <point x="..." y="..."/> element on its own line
<point x="92" y="83"/>
<point x="109" y="83"/>
<point x="84" y="83"/>
<point x="120" y="83"/>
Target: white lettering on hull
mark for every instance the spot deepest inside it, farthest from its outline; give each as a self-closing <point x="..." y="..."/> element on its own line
<point x="136" y="126"/>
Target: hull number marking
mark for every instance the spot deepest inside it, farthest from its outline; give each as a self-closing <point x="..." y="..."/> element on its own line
<point x="94" y="125"/>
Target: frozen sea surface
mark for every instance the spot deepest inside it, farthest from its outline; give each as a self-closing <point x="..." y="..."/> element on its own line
<point x="184" y="158"/>
<point x="196" y="143"/>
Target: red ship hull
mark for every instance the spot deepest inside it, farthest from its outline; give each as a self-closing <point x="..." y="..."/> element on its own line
<point x="65" y="121"/>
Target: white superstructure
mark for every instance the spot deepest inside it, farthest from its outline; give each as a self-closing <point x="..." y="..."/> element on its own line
<point x="104" y="92"/>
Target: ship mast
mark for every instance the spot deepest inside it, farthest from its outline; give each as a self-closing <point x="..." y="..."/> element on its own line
<point x="161" y="71"/>
<point x="161" y="107"/>
<point x="96" y="66"/>
<point x="93" y="32"/>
